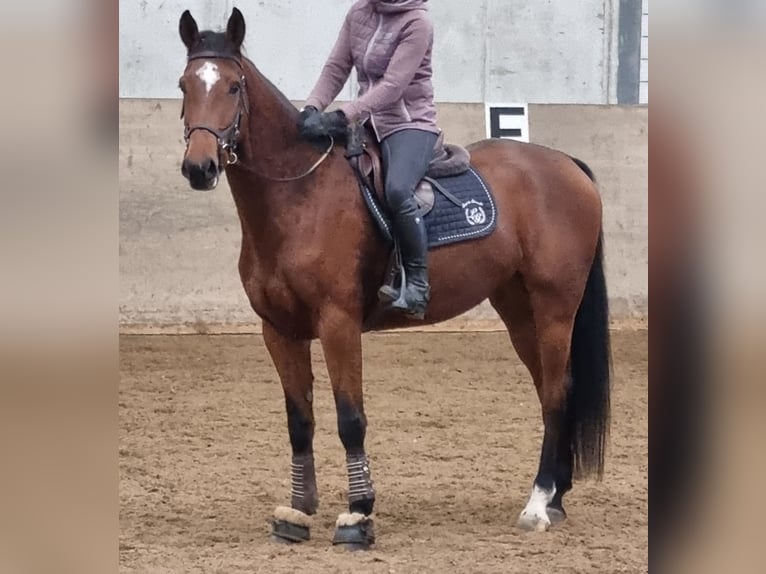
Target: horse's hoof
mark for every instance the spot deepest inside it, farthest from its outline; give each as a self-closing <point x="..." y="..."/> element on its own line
<point x="556" y="515"/>
<point x="354" y="532"/>
<point x="290" y="526"/>
<point x="286" y="533"/>
<point x="531" y="522"/>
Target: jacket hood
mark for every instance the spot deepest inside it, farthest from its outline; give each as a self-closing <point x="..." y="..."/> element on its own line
<point x="393" y="6"/>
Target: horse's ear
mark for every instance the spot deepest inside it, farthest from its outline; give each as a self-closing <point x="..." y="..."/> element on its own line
<point x="188" y="30"/>
<point x="235" y="29"/>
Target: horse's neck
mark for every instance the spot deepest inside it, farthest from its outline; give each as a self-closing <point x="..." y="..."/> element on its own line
<point x="271" y="148"/>
<point x="272" y="144"/>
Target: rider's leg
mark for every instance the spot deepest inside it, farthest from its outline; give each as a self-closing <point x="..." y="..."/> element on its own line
<point x="406" y="155"/>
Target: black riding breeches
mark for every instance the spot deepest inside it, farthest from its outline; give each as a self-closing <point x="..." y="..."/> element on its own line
<point x="406" y="155"/>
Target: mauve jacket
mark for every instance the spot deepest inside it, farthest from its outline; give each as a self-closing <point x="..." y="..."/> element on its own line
<point x="389" y="43"/>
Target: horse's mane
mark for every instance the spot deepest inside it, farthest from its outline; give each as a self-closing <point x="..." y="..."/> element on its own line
<point x="286" y="104"/>
<point x="219" y="43"/>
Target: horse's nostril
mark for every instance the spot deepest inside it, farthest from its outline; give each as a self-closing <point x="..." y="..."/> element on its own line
<point x="211" y="169"/>
<point x="201" y="174"/>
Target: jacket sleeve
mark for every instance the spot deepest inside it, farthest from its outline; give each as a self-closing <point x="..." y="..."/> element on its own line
<point x="414" y="42"/>
<point x="335" y="72"/>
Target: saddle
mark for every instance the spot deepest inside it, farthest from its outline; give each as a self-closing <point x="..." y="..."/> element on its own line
<point x="363" y="151"/>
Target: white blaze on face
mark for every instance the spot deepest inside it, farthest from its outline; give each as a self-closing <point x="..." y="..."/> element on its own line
<point x="208" y="73"/>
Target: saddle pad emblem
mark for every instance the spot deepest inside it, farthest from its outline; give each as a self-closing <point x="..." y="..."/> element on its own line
<point x="464" y="209"/>
<point x="474" y="212"/>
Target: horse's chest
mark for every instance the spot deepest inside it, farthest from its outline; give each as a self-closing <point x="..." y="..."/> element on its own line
<point x="273" y="299"/>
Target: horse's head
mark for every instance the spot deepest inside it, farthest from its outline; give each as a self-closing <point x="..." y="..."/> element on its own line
<point x="214" y="99"/>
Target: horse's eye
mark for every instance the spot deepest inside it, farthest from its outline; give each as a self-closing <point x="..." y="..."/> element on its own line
<point x="182" y="87"/>
<point x="234" y="89"/>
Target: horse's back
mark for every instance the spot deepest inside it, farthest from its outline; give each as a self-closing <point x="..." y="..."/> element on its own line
<point x="529" y="156"/>
<point x="534" y="170"/>
<point x="545" y="199"/>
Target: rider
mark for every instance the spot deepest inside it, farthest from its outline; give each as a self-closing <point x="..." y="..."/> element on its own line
<point x="389" y="42"/>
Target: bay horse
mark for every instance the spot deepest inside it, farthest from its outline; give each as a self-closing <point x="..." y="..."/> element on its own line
<point x="311" y="263"/>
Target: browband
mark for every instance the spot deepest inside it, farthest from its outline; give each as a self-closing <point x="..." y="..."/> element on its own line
<point x="215" y="55"/>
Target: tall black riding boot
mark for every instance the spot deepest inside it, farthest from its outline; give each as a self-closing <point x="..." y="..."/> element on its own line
<point x="413" y="240"/>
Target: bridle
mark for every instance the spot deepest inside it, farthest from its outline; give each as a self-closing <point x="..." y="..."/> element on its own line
<point x="226" y="138"/>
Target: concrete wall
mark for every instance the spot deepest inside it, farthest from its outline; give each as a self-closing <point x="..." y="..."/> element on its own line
<point x="179" y="249"/>
<point x="535" y="51"/>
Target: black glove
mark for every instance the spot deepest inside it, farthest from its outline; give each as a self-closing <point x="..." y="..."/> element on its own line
<point x="335" y="124"/>
<point x="310" y="124"/>
<point x="316" y="126"/>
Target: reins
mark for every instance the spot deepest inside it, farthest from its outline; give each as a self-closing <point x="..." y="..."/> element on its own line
<point x="311" y="170"/>
<point x="228" y="138"/>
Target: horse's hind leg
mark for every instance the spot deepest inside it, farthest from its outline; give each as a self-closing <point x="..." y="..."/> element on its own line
<point x="292" y="359"/>
<point x="540" y="326"/>
<point x="554" y="321"/>
<point x="512" y="304"/>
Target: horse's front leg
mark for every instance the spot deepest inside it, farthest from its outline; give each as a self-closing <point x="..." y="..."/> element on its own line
<point x="341" y="337"/>
<point x="292" y="358"/>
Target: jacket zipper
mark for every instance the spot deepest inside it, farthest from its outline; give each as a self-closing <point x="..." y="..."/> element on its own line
<point x="366" y="73"/>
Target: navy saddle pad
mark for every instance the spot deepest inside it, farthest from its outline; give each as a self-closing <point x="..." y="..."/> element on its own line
<point x="466" y="211"/>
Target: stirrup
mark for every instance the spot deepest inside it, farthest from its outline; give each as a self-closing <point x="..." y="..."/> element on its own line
<point x="417" y="311"/>
<point x="396" y="298"/>
<point x="400" y="303"/>
<point x="388" y="293"/>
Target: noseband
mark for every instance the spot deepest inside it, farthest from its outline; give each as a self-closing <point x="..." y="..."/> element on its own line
<point x="227" y="138"/>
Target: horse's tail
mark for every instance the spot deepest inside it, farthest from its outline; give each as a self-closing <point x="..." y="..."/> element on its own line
<point x="585" y="167"/>
<point x="588" y="410"/>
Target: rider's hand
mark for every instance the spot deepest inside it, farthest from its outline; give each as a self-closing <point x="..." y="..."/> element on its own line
<point x="335" y="124"/>
<point x="310" y="123"/>
<point x="314" y="125"/>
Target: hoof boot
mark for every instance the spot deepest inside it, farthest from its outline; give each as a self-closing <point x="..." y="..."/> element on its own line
<point x="288" y="533"/>
<point x="359" y="536"/>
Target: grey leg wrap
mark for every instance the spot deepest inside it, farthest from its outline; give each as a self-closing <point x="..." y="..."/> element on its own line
<point x="355" y="529"/>
<point x="361" y="492"/>
<point x="303" y="484"/>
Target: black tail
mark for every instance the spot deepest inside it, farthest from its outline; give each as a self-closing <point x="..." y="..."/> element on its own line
<point x="588" y="407"/>
<point x="585" y="167"/>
